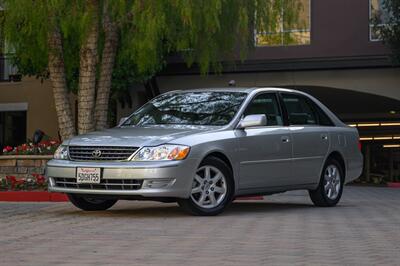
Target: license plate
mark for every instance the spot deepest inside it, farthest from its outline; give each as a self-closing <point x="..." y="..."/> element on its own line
<point x="88" y="175"/>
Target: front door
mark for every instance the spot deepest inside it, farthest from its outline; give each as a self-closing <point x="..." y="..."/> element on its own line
<point x="265" y="152"/>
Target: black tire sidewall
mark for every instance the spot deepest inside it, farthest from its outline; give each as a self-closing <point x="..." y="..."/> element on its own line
<point x="80" y="202"/>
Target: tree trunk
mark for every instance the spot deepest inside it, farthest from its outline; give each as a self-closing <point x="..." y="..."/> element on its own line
<point x="87" y="74"/>
<point x="59" y="83"/>
<point x="106" y="68"/>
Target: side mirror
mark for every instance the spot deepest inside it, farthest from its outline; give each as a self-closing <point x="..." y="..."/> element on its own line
<point x="253" y="121"/>
<point x="122" y="120"/>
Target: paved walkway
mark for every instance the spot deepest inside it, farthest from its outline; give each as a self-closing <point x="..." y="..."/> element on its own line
<point x="282" y="230"/>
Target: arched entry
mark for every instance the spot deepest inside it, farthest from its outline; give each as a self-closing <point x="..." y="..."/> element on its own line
<point x="353" y="106"/>
<point x="377" y="119"/>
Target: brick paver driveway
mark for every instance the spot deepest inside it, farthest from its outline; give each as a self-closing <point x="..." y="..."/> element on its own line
<point x="283" y="229"/>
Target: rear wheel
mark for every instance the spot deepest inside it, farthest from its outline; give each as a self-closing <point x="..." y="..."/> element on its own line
<point x="90" y="204"/>
<point x="330" y="187"/>
<point x="212" y="188"/>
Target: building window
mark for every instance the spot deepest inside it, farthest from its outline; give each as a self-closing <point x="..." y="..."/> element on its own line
<point x="287" y="31"/>
<point x="12" y="128"/>
<point x="8" y="71"/>
<point x="378" y="18"/>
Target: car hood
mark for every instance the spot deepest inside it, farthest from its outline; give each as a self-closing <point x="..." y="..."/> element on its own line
<point x="138" y="136"/>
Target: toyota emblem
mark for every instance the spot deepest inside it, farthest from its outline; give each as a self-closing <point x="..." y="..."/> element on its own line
<point x="96" y="153"/>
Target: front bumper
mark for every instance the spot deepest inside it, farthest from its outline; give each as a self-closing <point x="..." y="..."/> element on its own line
<point x="156" y="179"/>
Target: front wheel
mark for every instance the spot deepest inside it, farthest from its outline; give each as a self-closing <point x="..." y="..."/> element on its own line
<point x="330" y="187"/>
<point x="90" y="204"/>
<point x="212" y="189"/>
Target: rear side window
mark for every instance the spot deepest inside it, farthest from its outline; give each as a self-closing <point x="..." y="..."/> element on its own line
<point x="299" y="110"/>
<point x="323" y="118"/>
<point x="266" y="104"/>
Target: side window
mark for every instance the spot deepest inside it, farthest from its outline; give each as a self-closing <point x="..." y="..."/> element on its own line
<point x="323" y="119"/>
<point x="299" y="110"/>
<point x="267" y="104"/>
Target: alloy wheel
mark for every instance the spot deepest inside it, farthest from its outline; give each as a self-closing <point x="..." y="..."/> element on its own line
<point x="209" y="187"/>
<point x="332" y="182"/>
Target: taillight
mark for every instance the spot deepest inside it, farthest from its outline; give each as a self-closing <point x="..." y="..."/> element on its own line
<point x="359" y="145"/>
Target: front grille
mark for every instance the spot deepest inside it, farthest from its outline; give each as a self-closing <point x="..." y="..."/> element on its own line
<point x="105" y="184"/>
<point x="100" y="153"/>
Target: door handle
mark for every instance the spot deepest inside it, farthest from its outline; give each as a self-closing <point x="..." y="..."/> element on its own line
<point x="324" y="137"/>
<point x="285" y="139"/>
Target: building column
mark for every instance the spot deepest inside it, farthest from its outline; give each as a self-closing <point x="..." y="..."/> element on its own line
<point x="367" y="165"/>
<point x="391" y="174"/>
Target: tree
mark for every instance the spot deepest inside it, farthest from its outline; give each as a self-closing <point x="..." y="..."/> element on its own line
<point x="58" y="79"/>
<point x="106" y="69"/>
<point x="85" y="46"/>
<point x="387" y="24"/>
<point x="390" y="31"/>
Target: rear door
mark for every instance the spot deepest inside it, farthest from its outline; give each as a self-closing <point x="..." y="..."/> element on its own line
<point x="265" y="152"/>
<point x="310" y="138"/>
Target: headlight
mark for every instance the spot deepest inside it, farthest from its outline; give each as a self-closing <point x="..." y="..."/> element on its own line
<point x="61" y="153"/>
<point x="162" y="153"/>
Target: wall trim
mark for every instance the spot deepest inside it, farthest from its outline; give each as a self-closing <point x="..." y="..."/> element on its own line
<point x="9" y="107"/>
<point x="294" y="64"/>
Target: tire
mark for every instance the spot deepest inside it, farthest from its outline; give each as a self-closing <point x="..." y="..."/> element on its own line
<point x="330" y="188"/>
<point x="213" y="197"/>
<point x="90" y="204"/>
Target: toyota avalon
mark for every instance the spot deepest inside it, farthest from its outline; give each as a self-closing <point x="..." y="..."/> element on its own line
<point x="202" y="148"/>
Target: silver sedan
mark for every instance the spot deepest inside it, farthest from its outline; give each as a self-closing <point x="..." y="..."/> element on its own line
<point x="202" y="148"/>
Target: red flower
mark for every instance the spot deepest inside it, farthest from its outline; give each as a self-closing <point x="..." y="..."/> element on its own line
<point x="44" y="143"/>
<point x="8" y="148"/>
<point x="14" y="181"/>
<point x="40" y="180"/>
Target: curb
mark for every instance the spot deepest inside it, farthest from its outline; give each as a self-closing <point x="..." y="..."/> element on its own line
<point x="393" y="184"/>
<point x="32" y="196"/>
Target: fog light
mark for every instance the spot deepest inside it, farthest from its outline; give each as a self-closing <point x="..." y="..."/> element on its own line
<point x="158" y="183"/>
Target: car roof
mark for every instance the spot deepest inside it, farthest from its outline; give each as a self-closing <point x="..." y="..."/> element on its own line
<point x="237" y="89"/>
<point x="253" y="90"/>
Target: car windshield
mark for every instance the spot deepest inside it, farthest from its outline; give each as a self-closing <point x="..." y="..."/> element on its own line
<point x="214" y="108"/>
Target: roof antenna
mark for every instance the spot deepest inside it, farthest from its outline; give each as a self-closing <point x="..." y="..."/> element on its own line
<point x="232" y="83"/>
